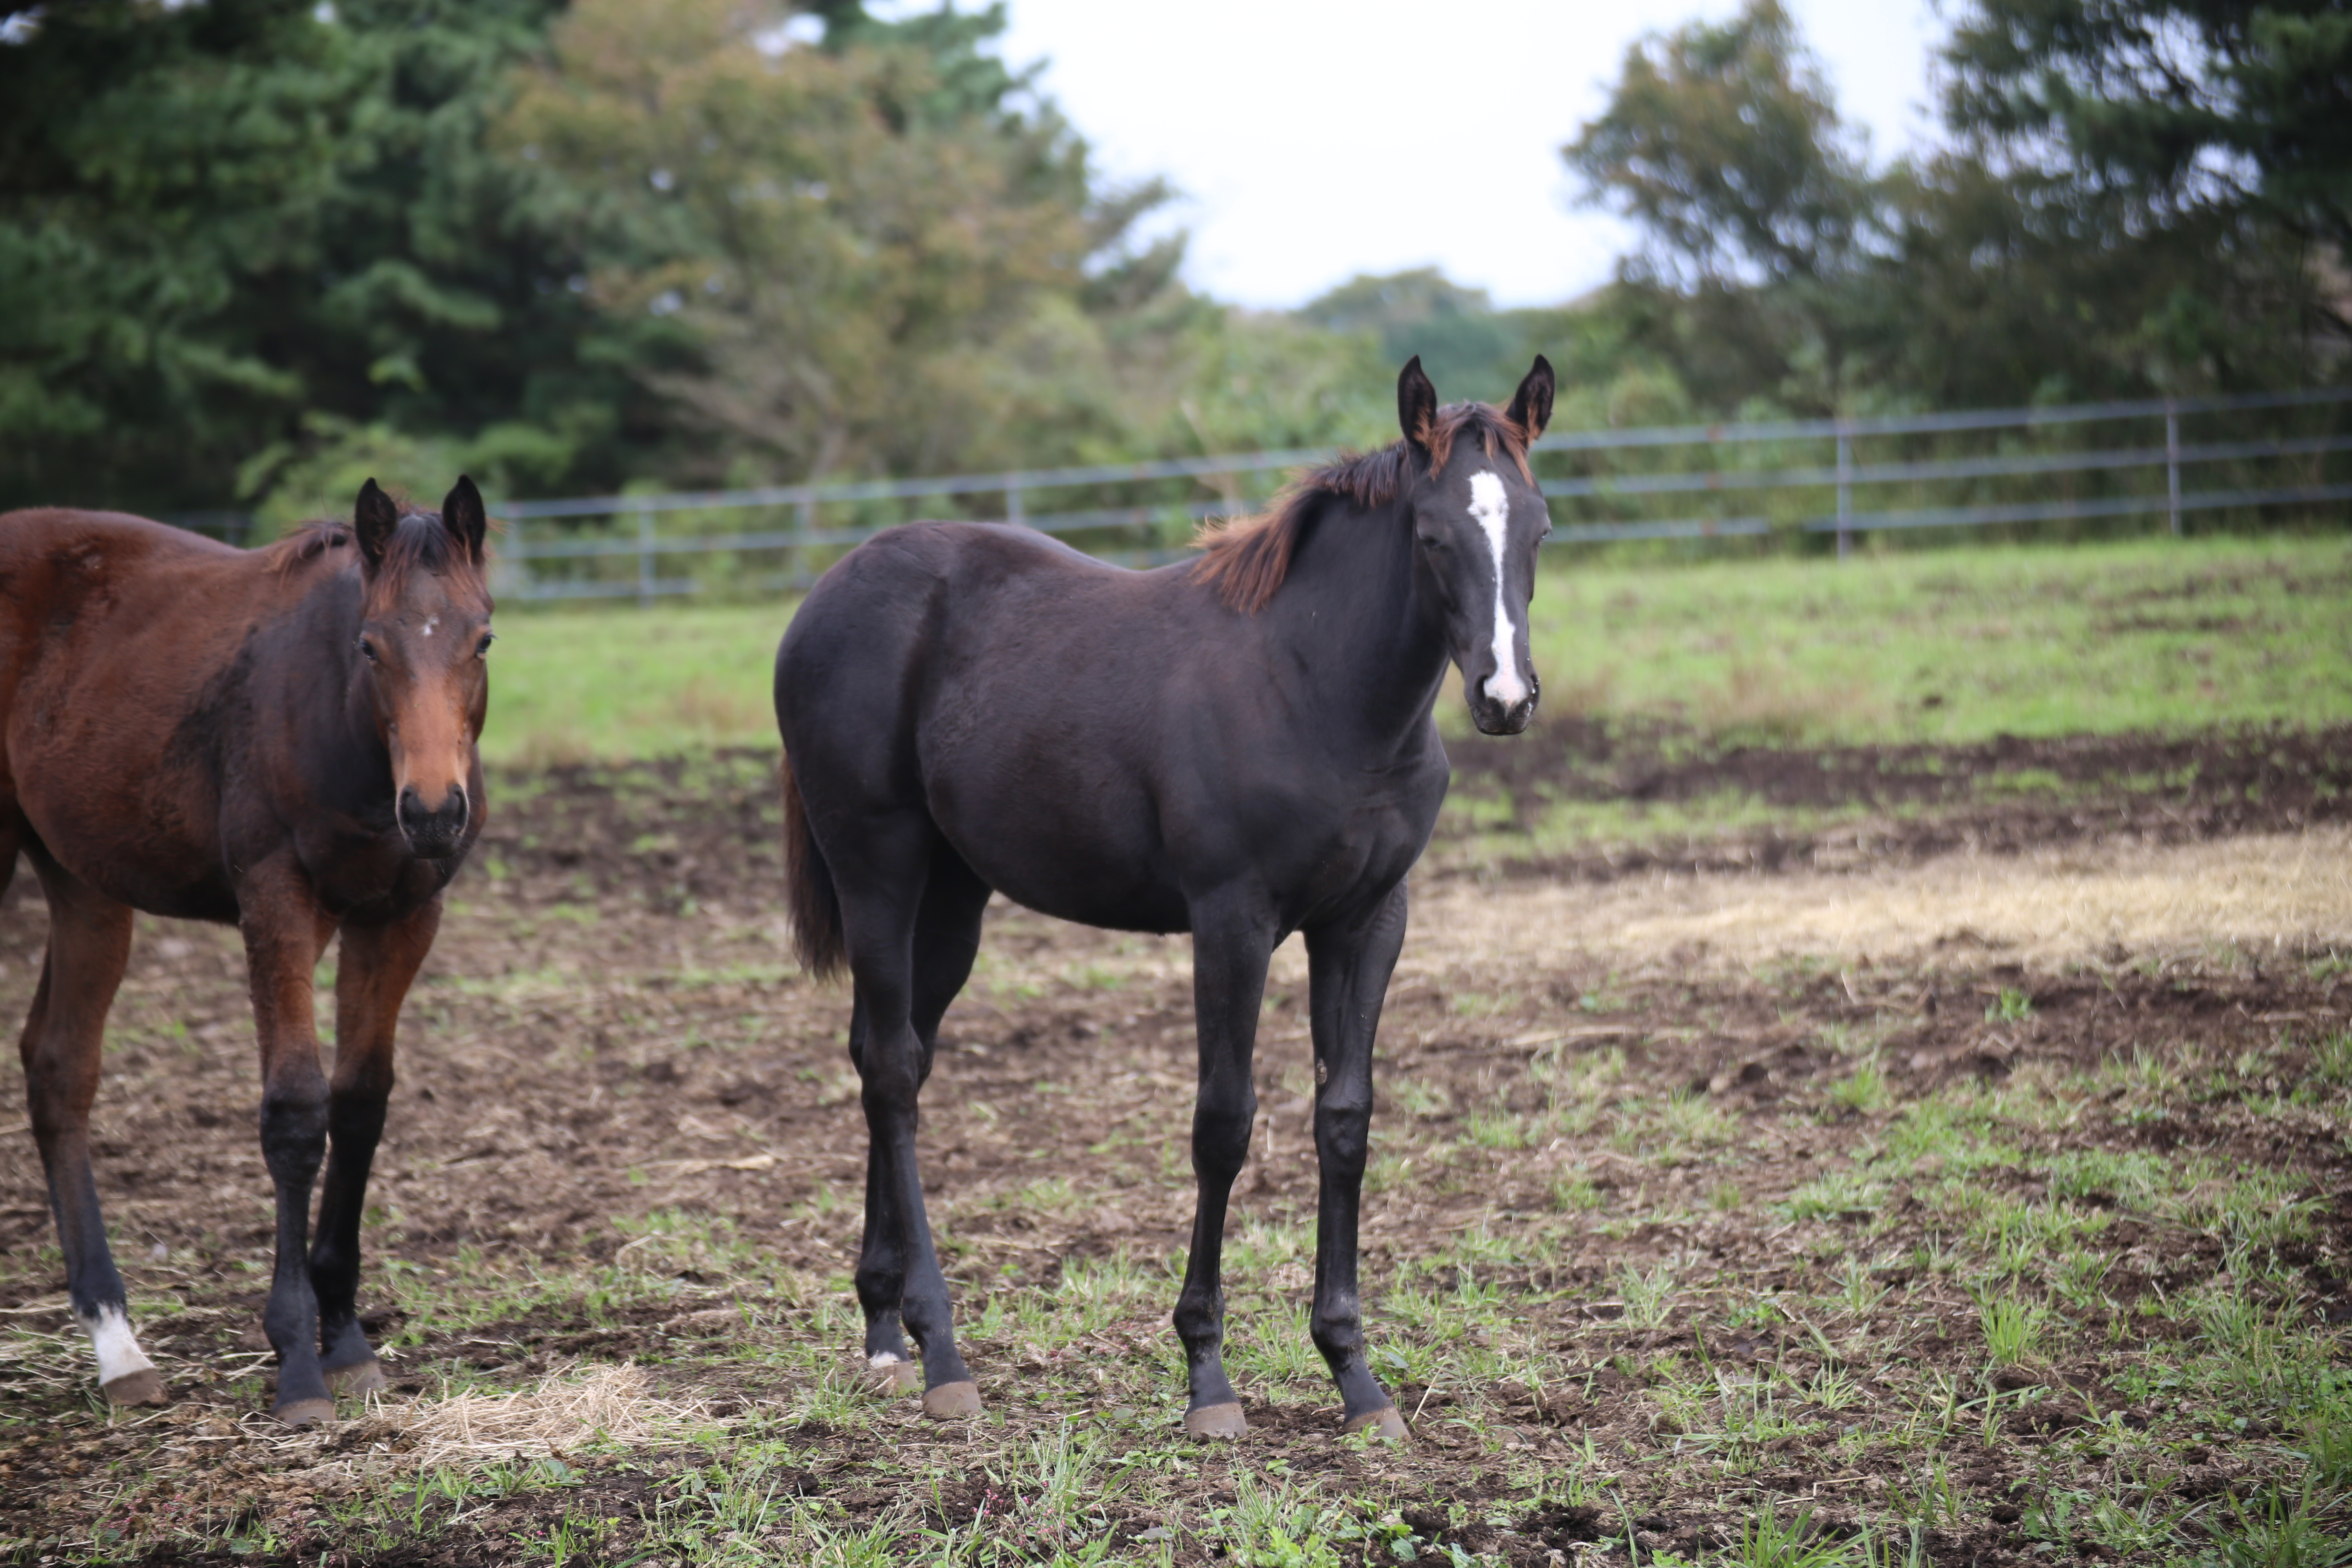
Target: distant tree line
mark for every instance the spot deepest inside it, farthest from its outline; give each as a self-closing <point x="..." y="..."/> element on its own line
<point x="253" y="250"/>
<point x="2133" y="198"/>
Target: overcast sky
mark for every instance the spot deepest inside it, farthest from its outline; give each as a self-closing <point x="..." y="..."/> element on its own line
<point x="1318" y="139"/>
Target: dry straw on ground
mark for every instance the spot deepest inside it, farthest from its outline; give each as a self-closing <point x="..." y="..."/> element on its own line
<point x="2073" y="903"/>
<point x="571" y="1407"/>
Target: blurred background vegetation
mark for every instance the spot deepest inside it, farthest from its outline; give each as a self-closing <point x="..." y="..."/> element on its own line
<point x="253" y="250"/>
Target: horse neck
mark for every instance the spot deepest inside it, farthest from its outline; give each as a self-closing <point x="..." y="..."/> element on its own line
<point x="1366" y="643"/>
<point x="328" y="684"/>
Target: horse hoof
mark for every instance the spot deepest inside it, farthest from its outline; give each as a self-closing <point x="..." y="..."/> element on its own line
<point x="899" y="1377"/>
<point x="359" y="1379"/>
<point x="305" y="1413"/>
<point x="1216" y="1421"/>
<point x="144" y="1386"/>
<point x="951" y="1402"/>
<point x="1383" y="1422"/>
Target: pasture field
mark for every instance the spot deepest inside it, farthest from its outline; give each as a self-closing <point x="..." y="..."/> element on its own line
<point x="1806" y="1137"/>
<point x="1951" y="647"/>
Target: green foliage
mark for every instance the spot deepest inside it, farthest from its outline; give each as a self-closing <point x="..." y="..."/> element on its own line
<point x="2096" y="226"/>
<point x="1721" y="142"/>
<point x="1464" y="342"/>
<point x="216" y="219"/>
<point x="259" y="250"/>
<point x="2177" y="103"/>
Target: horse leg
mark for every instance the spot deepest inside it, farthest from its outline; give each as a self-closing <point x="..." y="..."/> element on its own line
<point x="285" y="931"/>
<point x="1230" y="953"/>
<point x="882" y="881"/>
<point x="946" y="939"/>
<point x="372" y="975"/>
<point x="90" y="943"/>
<point x="1347" y="967"/>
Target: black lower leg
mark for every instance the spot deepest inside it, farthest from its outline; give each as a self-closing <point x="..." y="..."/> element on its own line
<point x="881" y="1267"/>
<point x="355" y="1125"/>
<point x="1349" y="968"/>
<point x="93" y="1284"/>
<point x="293" y="1141"/>
<point x="923" y="1299"/>
<point x="1219" y="1144"/>
<point x="1337" y="1324"/>
<point x="1231" y="941"/>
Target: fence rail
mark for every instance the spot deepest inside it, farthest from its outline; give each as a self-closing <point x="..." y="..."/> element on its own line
<point x="1808" y="471"/>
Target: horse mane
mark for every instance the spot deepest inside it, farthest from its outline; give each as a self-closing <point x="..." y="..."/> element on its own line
<point x="1246" y="559"/>
<point x="419" y="543"/>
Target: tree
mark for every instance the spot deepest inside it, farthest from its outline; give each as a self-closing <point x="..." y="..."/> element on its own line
<point x="2062" y="246"/>
<point x="1722" y="144"/>
<point x="886" y="266"/>
<point x="1460" y="338"/>
<point x="2189" y="112"/>
<point x="227" y="227"/>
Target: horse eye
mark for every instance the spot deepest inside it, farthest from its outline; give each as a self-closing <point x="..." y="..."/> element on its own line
<point x="483" y="650"/>
<point x="367" y="650"/>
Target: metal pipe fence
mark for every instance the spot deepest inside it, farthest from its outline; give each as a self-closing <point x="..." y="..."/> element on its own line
<point x="2083" y="464"/>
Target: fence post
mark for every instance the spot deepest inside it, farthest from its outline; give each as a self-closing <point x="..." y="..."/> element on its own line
<point x="645" y="558"/>
<point x="2172" y="463"/>
<point x="1017" y="506"/>
<point x="1845" y="491"/>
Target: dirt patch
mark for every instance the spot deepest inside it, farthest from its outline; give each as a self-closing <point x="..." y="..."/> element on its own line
<point x="1907" y="802"/>
<point x="1616" y="1182"/>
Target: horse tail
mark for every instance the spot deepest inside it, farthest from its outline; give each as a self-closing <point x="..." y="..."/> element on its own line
<point x="815" y="905"/>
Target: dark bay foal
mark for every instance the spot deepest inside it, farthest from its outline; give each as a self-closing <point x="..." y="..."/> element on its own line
<point x="1241" y="746"/>
<point x="279" y="739"/>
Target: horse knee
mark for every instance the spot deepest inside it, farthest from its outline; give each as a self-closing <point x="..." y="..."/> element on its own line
<point x="880" y="1282"/>
<point x="355" y="1115"/>
<point x="1221" y="1134"/>
<point x="1343" y="1132"/>
<point x="294" y="1130"/>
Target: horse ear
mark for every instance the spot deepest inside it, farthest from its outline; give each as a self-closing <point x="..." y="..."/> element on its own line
<point x="462" y="515"/>
<point x="1531" y="405"/>
<point x="374" y="518"/>
<point x="1416" y="404"/>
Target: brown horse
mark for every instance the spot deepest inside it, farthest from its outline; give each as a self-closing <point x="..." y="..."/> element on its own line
<point x="281" y="739"/>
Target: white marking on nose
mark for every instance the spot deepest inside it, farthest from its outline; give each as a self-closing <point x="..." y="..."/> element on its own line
<point x="430" y="622"/>
<point x="119" y="1354"/>
<point x="1492" y="508"/>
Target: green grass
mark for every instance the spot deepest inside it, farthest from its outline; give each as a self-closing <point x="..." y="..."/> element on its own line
<point x="1948" y="646"/>
<point x="1958" y="645"/>
<point x="617" y="682"/>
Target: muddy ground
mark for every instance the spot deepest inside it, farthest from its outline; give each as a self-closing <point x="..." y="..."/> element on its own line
<point x="610" y="1068"/>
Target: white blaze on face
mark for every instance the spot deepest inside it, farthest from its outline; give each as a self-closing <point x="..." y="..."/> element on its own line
<point x="119" y="1354"/>
<point x="1492" y="508"/>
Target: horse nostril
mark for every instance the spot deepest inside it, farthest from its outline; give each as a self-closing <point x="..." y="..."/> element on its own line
<point x="445" y="820"/>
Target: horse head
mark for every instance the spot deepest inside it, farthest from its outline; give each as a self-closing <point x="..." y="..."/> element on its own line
<point x="1477" y="521"/>
<point x="424" y="635"/>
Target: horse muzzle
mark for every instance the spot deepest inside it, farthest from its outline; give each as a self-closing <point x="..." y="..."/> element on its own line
<point x="433" y="833"/>
<point x="1494" y="716"/>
